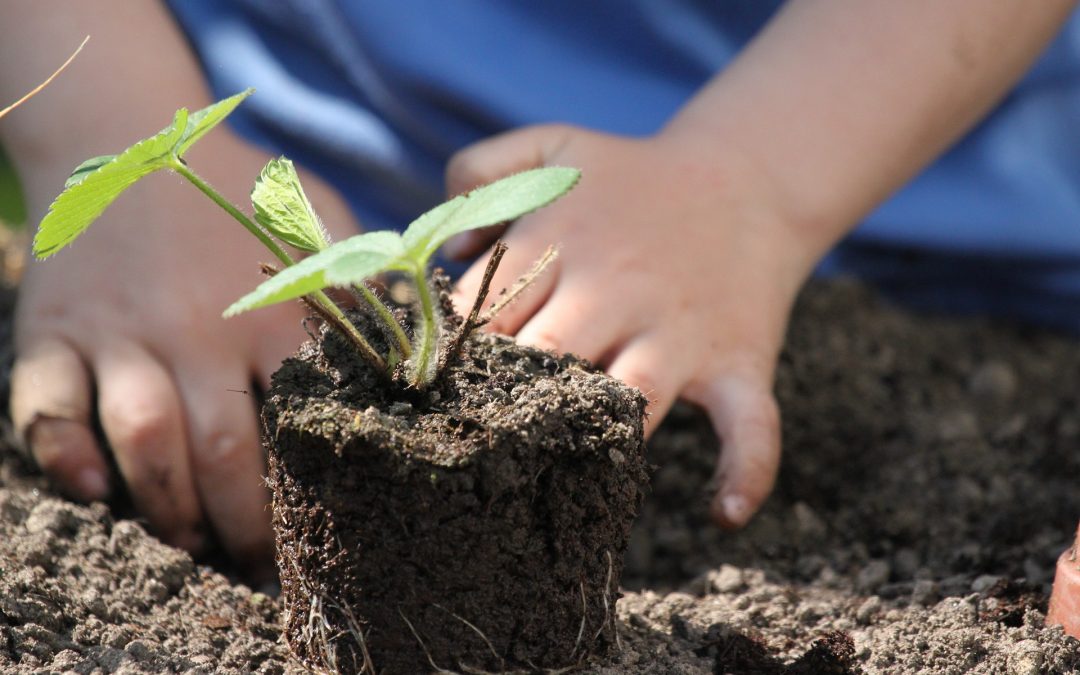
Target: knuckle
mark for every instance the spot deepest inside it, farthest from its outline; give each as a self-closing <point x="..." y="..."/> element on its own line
<point x="51" y="445"/>
<point x="217" y="449"/>
<point x="138" y="424"/>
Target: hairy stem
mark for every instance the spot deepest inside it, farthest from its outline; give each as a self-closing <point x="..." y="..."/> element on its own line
<point x="424" y="356"/>
<point x="339" y="319"/>
<point x="396" y="332"/>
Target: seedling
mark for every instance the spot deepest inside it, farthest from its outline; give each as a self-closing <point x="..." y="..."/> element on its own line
<point x="284" y="214"/>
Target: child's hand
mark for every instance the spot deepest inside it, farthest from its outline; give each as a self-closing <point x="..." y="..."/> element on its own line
<point x="676" y="273"/>
<point x="124" y="330"/>
<point x="681" y="255"/>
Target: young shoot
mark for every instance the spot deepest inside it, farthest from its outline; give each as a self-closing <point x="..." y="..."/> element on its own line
<point x="282" y="213"/>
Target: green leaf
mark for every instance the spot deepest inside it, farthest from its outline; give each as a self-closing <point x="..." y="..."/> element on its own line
<point x="86" y="168"/>
<point x="12" y="200"/>
<point x="284" y="210"/>
<point x="503" y="200"/>
<point x="202" y="121"/>
<point x="345" y="263"/>
<point x="80" y="204"/>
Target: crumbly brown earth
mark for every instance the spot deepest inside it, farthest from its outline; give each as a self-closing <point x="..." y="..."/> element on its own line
<point x="929" y="483"/>
<point x="479" y="524"/>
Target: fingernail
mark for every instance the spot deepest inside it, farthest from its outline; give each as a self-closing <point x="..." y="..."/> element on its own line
<point x="92" y="485"/>
<point x="736" y="510"/>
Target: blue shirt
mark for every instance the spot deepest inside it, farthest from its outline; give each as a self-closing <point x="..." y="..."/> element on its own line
<point x="376" y="96"/>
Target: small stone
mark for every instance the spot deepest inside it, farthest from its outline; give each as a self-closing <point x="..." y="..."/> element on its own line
<point x="728" y="579"/>
<point x="808" y="522"/>
<point x="1026" y="658"/>
<point x="616" y="456"/>
<point x="156" y="591"/>
<point x="994" y="382"/>
<point x="868" y="609"/>
<point x="115" y="637"/>
<point x="51" y="516"/>
<point x="143" y="650"/>
<point x="925" y="592"/>
<point x="984" y="582"/>
<point x="958" y="425"/>
<point x="873" y="575"/>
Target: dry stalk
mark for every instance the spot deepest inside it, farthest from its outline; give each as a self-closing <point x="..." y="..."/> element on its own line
<point x="520" y="286"/>
<point x="473" y="321"/>
<point x="33" y="92"/>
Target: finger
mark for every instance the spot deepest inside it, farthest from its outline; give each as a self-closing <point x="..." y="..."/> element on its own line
<point x="227" y="458"/>
<point x="746" y="417"/>
<point x="143" y="422"/>
<point x="50" y="410"/>
<point x="468" y="244"/>
<point x="645" y="364"/>
<point x="571" y="321"/>
<point x="502" y="155"/>
<point x="518" y="260"/>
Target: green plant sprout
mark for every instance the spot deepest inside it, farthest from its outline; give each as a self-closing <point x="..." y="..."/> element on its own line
<point x="283" y="213"/>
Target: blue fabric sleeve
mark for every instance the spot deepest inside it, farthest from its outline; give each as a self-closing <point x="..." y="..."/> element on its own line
<point x="376" y="96"/>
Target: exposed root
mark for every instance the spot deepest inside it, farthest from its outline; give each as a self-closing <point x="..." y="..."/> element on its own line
<point x="423" y="646"/>
<point x="607" y="607"/>
<point x="584" y="616"/>
<point x="319" y="637"/>
<point x="476" y="630"/>
<point x="358" y="635"/>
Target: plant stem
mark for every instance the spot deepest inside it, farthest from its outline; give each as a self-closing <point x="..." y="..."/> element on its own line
<point x="341" y="321"/>
<point x="208" y="190"/>
<point x="389" y="320"/>
<point x="425" y="356"/>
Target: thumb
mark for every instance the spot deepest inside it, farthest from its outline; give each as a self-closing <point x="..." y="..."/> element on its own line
<point x="746" y="417"/>
<point x="491" y="159"/>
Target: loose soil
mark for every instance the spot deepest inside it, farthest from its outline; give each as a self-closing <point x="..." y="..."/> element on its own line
<point x="929" y="483"/>
<point x="477" y="525"/>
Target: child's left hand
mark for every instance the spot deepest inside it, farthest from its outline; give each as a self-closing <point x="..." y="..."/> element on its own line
<point x="676" y="274"/>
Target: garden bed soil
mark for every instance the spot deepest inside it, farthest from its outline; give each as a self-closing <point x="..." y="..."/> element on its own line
<point x="928" y="487"/>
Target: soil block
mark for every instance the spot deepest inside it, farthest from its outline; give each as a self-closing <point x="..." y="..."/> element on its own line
<point x="478" y="525"/>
